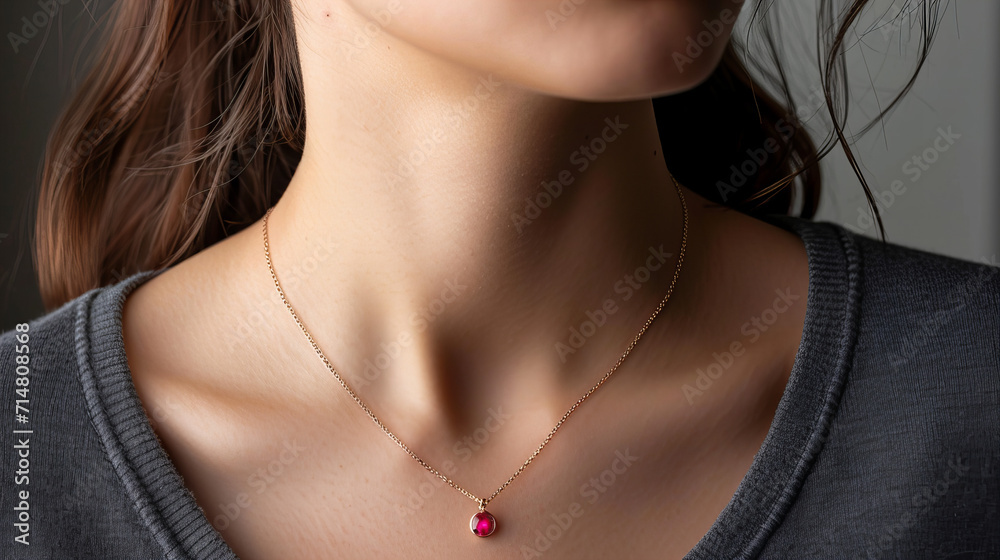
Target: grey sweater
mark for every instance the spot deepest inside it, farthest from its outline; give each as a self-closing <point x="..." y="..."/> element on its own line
<point x="885" y="444"/>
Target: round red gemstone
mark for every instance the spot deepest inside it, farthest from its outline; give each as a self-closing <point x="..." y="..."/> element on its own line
<point x="483" y="524"/>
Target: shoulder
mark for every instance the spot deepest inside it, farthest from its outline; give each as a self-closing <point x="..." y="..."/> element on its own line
<point x="42" y="359"/>
<point x="916" y="274"/>
<point x="924" y="366"/>
<point x="41" y="348"/>
<point x="928" y="336"/>
<point x="62" y="466"/>
<point x="908" y="457"/>
<point x="930" y="308"/>
<point x="907" y="291"/>
<point x="921" y="331"/>
<point x="55" y="324"/>
<point x="55" y="349"/>
<point x="69" y="356"/>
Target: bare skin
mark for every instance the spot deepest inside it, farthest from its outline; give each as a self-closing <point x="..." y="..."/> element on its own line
<point x="233" y="388"/>
<point x="225" y="413"/>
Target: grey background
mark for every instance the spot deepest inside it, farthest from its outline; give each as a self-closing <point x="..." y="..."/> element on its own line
<point x="952" y="209"/>
<point x="36" y="82"/>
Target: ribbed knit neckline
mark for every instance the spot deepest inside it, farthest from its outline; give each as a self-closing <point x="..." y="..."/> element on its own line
<point x="812" y="394"/>
<point x="171" y="514"/>
<point x="153" y="485"/>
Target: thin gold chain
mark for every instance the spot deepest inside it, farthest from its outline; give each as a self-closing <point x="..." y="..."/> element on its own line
<point x="483" y="502"/>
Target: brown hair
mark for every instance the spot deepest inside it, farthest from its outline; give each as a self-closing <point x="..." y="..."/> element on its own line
<point x="190" y="123"/>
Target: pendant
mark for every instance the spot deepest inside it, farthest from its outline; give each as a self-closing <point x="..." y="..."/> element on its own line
<point x="483" y="524"/>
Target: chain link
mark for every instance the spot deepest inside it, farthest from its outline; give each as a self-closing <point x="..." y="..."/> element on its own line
<point x="483" y="502"/>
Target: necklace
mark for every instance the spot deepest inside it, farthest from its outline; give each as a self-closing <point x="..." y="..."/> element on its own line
<point x="483" y="524"/>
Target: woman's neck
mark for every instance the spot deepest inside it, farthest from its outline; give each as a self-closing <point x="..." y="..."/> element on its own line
<point x="473" y="224"/>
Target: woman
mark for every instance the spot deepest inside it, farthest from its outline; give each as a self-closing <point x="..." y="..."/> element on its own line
<point x="474" y="231"/>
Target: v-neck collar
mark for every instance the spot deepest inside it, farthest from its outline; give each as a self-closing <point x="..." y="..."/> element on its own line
<point x="796" y="436"/>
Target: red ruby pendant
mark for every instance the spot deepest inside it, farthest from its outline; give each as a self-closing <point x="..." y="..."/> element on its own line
<point x="483" y="524"/>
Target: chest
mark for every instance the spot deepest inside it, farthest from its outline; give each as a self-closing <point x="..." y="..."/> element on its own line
<point x="621" y="484"/>
<point x="618" y="508"/>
